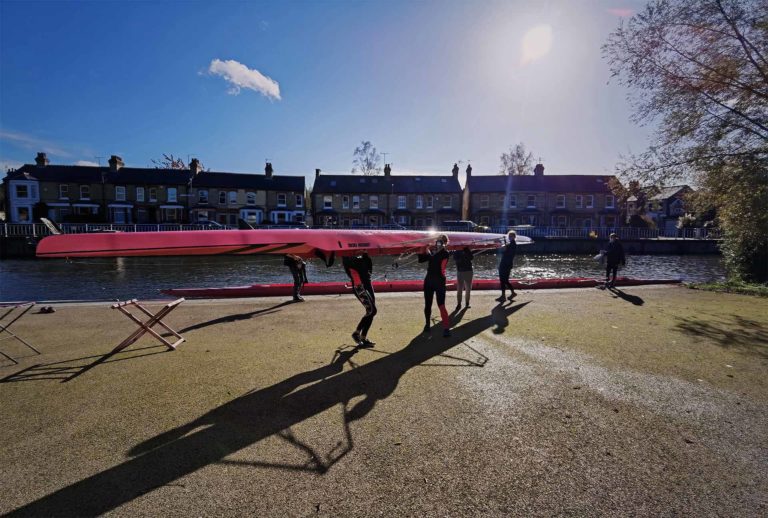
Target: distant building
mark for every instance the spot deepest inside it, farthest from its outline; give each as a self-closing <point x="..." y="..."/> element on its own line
<point x="663" y="206"/>
<point x="119" y="194"/>
<point x="583" y="201"/>
<point x="407" y="200"/>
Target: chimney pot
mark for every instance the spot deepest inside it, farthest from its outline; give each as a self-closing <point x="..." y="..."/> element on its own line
<point x="538" y="170"/>
<point x="115" y="163"/>
<point x="268" y="170"/>
<point x="194" y="166"/>
<point x="387" y="169"/>
<point x="455" y="170"/>
<point x="469" y="170"/>
<point x="41" y="160"/>
<point x="317" y="173"/>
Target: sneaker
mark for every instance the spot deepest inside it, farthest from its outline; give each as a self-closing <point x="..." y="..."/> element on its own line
<point x="467" y="306"/>
<point x="512" y="296"/>
<point x="446" y="333"/>
<point x="357" y="338"/>
<point x="502" y="298"/>
<point x="367" y="343"/>
<point x="298" y="299"/>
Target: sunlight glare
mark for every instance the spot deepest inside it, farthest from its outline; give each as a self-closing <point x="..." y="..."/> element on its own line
<point x="536" y="43"/>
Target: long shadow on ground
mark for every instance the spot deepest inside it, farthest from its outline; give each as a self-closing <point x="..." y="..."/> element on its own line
<point x="235" y="318"/>
<point x="729" y="332"/>
<point x="248" y="419"/>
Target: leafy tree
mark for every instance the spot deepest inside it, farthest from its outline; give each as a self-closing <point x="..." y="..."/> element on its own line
<point x="517" y="161"/>
<point x="699" y="70"/>
<point x="366" y="159"/>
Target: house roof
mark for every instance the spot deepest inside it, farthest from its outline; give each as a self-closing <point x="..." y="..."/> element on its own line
<point x="541" y="183"/>
<point x="141" y="176"/>
<point x="398" y="184"/>
<point x="664" y="193"/>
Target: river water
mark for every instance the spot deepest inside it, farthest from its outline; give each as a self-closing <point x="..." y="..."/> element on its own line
<point x="142" y="277"/>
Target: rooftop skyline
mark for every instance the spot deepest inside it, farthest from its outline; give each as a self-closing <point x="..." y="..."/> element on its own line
<point x="302" y="84"/>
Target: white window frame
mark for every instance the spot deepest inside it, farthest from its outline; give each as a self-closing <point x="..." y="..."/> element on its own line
<point x="448" y="201"/>
<point x="485" y="201"/>
<point x="355" y="202"/>
<point x="85" y="192"/>
<point x="119" y="192"/>
<point x="430" y="201"/>
<point x="610" y="201"/>
<point x="172" y="194"/>
<point x="373" y="201"/>
<point x="152" y="194"/>
<point x="27" y="192"/>
<point x="512" y="201"/>
<point x="299" y="201"/>
<point x="560" y="201"/>
<point x="282" y="199"/>
<point x="223" y="199"/>
<point x="327" y="201"/>
<point x="250" y="198"/>
<point x="401" y="202"/>
<point x="232" y="198"/>
<point x="530" y="204"/>
<point x="579" y="201"/>
<point x="139" y="193"/>
<point x="63" y="191"/>
<point x="419" y="201"/>
<point x="345" y="201"/>
<point x="590" y="201"/>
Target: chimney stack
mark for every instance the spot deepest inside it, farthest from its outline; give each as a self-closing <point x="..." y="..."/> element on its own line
<point x="195" y="167"/>
<point x="538" y="170"/>
<point x="115" y="163"/>
<point x="317" y="173"/>
<point x="469" y="170"/>
<point x="268" y="170"/>
<point x="387" y="170"/>
<point x="455" y="170"/>
<point x="41" y="160"/>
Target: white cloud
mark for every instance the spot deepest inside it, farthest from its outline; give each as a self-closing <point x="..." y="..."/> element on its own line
<point x="33" y="143"/>
<point x="87" y="162"/>
<point x="240" y="76"/>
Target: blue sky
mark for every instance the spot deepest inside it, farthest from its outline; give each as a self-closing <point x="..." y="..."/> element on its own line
<point x="430" y="83"/>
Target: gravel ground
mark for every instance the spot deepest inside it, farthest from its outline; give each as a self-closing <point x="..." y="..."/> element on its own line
<point x="647" y="401"/>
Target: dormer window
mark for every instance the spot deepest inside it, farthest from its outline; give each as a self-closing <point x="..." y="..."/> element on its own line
<point x="333" y="183"/>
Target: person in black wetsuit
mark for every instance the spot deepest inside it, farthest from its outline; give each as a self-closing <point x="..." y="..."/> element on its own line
<point x="299" y="272"/>
<point x="614" y="255"/>
<point x="505" y="266"/>
<point x="464" y="273"/>
<point x="434" y="282"/>
<point x="359" y="268"/>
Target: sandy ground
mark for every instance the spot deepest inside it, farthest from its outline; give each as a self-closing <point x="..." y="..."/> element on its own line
<point x="649" y="401"/>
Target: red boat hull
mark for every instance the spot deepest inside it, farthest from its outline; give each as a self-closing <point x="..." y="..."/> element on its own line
<point x="333" y="288"/>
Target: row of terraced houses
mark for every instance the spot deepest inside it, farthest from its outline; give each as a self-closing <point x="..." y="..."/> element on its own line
<point x="119" y="194"/>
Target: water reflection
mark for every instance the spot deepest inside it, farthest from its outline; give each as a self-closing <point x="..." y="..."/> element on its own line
<point x="142" y="277"/>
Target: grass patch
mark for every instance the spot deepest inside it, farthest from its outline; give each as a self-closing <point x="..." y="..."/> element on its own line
<point x="743" y="288"/>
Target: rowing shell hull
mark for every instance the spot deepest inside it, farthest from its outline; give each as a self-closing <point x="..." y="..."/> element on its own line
<point x="334" y="288"/>
<point x="302" y="242"/>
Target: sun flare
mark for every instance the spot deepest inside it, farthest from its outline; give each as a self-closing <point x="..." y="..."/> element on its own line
<point x="536" y="43"/>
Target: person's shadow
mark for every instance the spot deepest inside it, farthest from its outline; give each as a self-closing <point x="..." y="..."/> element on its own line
<point x="251" y="418"/>
<point x="634" y="299"/>
<point x="234" y="318"/>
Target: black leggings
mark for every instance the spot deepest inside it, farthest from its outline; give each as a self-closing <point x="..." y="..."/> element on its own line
<point x="504" y="279"/>
<point x="611" y="269"/>
<point x="434" y="287"/>
<point x="364" y="294"/>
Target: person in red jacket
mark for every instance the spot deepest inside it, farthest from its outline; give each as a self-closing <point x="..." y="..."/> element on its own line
<point x="434" y="282"/>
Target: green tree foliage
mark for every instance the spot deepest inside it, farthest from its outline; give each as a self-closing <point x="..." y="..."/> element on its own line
<point x="366" y="159"/>
<point x="698" y="69"/>
<point x="517" y="161"/>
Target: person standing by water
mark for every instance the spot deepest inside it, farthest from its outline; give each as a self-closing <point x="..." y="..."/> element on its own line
<point x="359" y="268"/>
<point x="614" y="255"/>
<point x="505" y="266"/>
<point x="299" y="272"/>
<point x="434" y="282"/>
<point x="464" y="274"/>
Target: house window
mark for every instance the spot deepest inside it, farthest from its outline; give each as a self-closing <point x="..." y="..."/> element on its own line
<point x="250" y="198"/>
<point x="609" y="200"/>
<point x="139" y="193"/>
<point x="560" y="201"/>
<point x="327" y="202"/>
<point x="152" y="194"/>
<point x="430" y="202"/>
<point x="373" y="202"/>
<point x="579" y="201"/>
<point x="120" y="193"/>
<point x="512" y="201"/>
<point x="403" y="220"/>
<point x="63" y="190"/>
<point x="590" y="201"/>
<point x="419" y="201"/>
<point x="222" y="198"/>
<point x="233" y="197"/>
<point x="531" y="204"/>
<point x="401" y="202"/>
<point x="85" y="192"/>
<point x="202" y="196"/>
<point x="299" y="200"/>
<point x="345" y="202"/>
<point x="484" y="201"/>
<point x="448" y="202"/>
<point x="503" y="201"/>
<point x="282" y="199"/>
<point x="172" y="191"/>
<point x="355" y="202"/>
<point x="22" y="191"/>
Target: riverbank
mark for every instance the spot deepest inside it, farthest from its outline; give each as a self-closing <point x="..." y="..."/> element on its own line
<point x="651" y="400"/>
